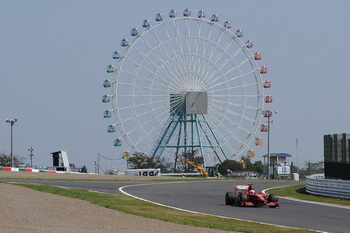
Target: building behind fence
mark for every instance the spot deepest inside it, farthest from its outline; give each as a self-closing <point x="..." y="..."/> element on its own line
<point x="337" y="156"/>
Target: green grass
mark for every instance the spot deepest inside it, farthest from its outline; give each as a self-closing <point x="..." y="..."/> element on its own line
<point x="141" y="208"/>
<point x="299" y="192"/>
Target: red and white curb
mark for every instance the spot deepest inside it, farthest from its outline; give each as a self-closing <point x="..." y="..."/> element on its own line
<point x="16" y="169"/>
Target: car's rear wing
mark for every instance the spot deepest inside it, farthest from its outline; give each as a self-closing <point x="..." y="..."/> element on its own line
<point x="242" y="186"/>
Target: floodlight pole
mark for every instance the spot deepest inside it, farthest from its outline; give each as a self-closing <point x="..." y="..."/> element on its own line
<point x="12" y="122"/>
<point x="268" y="148"/>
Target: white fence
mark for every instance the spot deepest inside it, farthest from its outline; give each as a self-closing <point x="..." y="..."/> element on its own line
<point x="317" y="185"/>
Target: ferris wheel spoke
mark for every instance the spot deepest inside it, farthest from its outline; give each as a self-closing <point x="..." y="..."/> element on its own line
<point x="237" y="105"/>
<point x="139" y="77"/>
<point x="138" y="65"/>
<point x="205" y="46"/>
<point x="206" y="64"/>
<point x="150" y="62"/>
<point x="234" y="124"/>
<point x="238" y="87"/>
<point x="143" y="104"/>
<point x="233" y="67"/>
<point x="155" y="54"/>
<point x="132" y="85"/>
<point x="188" y="36"/>
<point x="212" y="42"/>
<point x="222" y="109"/>
<point x="164" y="50"/>
<point x="149" y="132"/>
<point x="199" y="61"/>
<point x="233" y="78"/>
<point x="197" y="38"/>
<point x="184" y="39"/>
<point x="225" y="133"/>
<point x="144" y="123"/>
<point x="227" y="45"/>
<point x="179" y="60"/>
<point x="215" y="45"/>
<point x="137" y="128"/>
<point x="178" y="40"/>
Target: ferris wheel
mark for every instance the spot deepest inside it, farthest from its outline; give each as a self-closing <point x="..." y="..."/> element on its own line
<point x="186" y="82"/>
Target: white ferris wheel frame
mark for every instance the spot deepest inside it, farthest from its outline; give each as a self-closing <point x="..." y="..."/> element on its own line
<point x="180" y="41"/>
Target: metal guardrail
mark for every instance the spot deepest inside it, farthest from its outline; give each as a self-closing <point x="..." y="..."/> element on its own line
<point x="318" y="185"/>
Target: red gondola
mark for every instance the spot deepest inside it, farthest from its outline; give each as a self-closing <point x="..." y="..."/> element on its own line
<point x="264" y="128"/>
<point x="268" y="99"/>
<point x="267" y="84"/>
<point x="267" y="113"/>
<point x="263" y="70"/>
<point x="257" y="56"/>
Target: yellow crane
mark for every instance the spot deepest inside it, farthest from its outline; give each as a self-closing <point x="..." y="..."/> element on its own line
<point x="199" y="168"/>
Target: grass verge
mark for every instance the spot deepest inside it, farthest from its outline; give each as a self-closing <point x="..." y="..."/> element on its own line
<point x="299" y="192"/>
<point x="4" y="179"/>
<point x="141" y="208"/>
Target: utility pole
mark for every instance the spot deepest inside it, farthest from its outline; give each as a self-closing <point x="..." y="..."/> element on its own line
<point x="12" y="122"/>
<point x="31" y="156"/>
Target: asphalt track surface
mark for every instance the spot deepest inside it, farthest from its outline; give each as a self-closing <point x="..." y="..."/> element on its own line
<point x="208" y="197"/>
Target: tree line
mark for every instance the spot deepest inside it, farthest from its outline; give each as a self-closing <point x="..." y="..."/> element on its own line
<point x="6" y="160"/>
<point x="142" y="161"/>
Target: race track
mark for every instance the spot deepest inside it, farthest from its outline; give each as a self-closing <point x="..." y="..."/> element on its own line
<point x="208" y="197"/>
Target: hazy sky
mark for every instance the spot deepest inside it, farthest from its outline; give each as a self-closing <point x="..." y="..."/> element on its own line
<point x="53" y="56"/>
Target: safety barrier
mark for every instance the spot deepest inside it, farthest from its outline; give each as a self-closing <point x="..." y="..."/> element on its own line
<point x="16" y="169"/>
<point x="317" y="185"/>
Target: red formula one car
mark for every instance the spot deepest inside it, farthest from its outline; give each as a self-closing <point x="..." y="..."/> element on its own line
<point x="245" y="195"/>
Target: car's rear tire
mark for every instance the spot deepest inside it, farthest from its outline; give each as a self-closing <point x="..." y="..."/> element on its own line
<point x="229" y="200"/>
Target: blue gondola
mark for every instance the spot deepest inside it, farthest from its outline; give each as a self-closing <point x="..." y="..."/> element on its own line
<point x="124" y="43"/>
<point x="227" y="24"/>
<point x="201" y="14"/>
<point x="239" y="33"/>
<point x="134" y="32"/>
<point x="249" y="44"/>
<point x="146" y="23"/>
<point x="214" y="18"/>
<point x="187" y="12"/>
<point x="116" y="55"/>
<point x="159" y="17"/>
<point x="172" y="14"/>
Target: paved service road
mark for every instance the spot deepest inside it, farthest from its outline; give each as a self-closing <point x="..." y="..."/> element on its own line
<point x="208" y="197"/>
